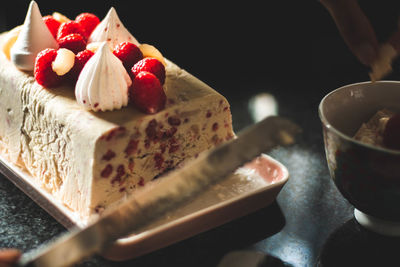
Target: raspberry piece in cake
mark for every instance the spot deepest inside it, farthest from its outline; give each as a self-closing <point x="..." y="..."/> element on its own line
<point x="52" y="24"/>
<point x="69" y="27"/>
<point x="128" y="53"/>
<point x="80" y="60"/>
<point x="74" y="42"/>
<point x="147" y="93"/>
<point x="152" y="65"/>
<point x="88" y="21"/>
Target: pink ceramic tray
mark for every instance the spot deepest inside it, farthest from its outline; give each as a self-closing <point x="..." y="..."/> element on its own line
<point x="252" y="187"/>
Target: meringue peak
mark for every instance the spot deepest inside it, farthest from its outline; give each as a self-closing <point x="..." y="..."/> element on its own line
<point x="103" y="83"/>
<point x="112" y="30"/>
<point x="33" y="38"/>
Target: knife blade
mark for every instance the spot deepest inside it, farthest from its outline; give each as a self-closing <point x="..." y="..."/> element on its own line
<point x="163" y="194"/>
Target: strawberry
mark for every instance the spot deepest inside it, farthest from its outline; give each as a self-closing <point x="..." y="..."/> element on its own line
<point x="88" y="22"/>
<point x="52" y="24"/>
<point x="128" y="53"/>
<point x="43" y="71"/>
<point x="80" y="60"/>
<point x="69" y="27"/>
<point x="147" y="93"/>
<point x="152" y="65"/>
<point x="74" y="42"/>
<point x="391" y="134"/>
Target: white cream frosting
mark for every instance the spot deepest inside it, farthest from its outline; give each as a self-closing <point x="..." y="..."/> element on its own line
<point x="33" y="38"/>
<point x="112" y="30"/>
<point x="103" y="83"/>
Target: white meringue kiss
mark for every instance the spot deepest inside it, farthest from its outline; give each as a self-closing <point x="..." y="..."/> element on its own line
<point x="112" y="30"/>
<point x="33" y="38"/>
<point x="103" y="83"/>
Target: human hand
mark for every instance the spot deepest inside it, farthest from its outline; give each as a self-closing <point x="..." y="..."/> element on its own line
<point x="8" y="257"/>
<point x="355" y="29"/>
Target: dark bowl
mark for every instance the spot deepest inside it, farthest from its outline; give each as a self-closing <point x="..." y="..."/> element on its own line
<point x="367" y="176"/>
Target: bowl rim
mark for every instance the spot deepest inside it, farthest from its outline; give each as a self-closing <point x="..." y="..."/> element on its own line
<point x="329" y="126"/>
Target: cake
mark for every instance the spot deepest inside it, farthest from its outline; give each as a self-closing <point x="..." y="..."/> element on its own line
<point x="88" y="159"/>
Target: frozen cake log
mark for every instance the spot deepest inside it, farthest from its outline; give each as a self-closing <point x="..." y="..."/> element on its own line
<point x="89" y="160"/>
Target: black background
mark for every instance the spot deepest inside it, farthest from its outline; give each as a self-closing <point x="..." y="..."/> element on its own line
<point x="245" y="43"/>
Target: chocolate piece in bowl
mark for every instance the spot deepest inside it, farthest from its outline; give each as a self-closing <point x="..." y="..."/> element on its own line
<point x="372" y="132"/>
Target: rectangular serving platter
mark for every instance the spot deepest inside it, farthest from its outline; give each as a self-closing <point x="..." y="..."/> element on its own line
<point x="250" y="188"/>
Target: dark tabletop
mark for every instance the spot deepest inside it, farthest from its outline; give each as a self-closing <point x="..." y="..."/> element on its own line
<point x="290" y="49"/>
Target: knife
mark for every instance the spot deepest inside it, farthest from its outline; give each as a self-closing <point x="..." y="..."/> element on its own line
<point x="163" y="194"/>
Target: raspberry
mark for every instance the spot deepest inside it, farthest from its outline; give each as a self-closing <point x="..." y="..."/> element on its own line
<point x="128" y="53"/>
<point x="52" y="24"/>
<point x="69" y="27"/>
<point x="147" y="93"/>
<point x="80" y="60"/>
<point x="88" y="22"/>
<point x="43" y="71"/>
<point x="152" y="65"/>
<point x="73" y="42"/>
<point x="391" y="134"/>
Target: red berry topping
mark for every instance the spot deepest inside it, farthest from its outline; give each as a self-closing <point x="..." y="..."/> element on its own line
<point x="80" y="60"/>
<point x="128" y="53"/>
<point x="44" y="73"/>
<point x="147" y="93"/>
<point x="391" y="134"/>
<point x="73" y="42"/>
<point x="69" y="27"/>
<point x="152" y="65"/>
<point x="52" y="24"/>
<point x="88" y="21"/>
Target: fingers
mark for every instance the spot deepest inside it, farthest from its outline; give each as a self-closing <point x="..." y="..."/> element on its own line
<point x="355" y="28"/>
<point x="8" y="257"/>
<point x="394" y="40"/>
